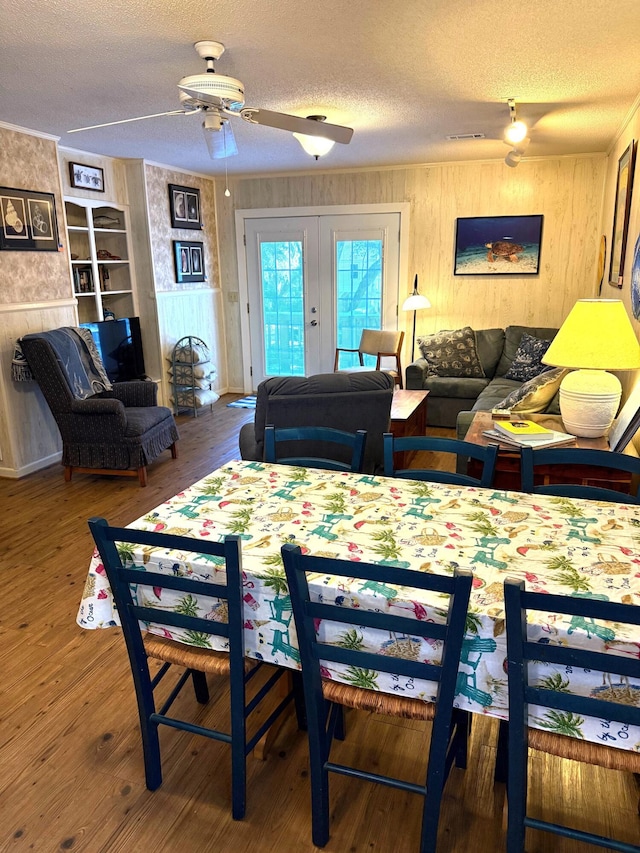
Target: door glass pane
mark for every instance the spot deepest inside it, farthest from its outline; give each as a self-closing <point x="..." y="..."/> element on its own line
<point x="282" y="307"/>
<point x="358" y="295"/>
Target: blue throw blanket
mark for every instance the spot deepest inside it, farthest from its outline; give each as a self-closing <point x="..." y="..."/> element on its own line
<point x="79" y="360"/>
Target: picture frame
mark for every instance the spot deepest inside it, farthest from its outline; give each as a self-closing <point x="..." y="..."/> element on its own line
<point x="498" y="245"/>
<point x="85" y="177"/>
<point x="621" y="210"/>
<point x="626" y="424"/>
<point x="28" y="221"/>
<point x="188" y="258"/>
<point x="184" y="207"/>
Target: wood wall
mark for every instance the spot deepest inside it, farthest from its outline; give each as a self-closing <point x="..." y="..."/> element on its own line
<point x="568" y="191"/>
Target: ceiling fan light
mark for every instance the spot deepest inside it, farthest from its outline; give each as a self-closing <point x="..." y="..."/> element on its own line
<point x="219" y="137"/>
<point x="316" y="146"/>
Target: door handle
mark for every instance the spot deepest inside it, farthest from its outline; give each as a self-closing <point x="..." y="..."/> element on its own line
<point x="314" y="323"/>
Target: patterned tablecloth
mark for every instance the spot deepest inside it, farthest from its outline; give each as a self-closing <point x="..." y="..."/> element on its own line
<point x="572" y="547"/>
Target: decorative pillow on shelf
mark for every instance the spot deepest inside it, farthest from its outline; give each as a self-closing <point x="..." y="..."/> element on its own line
<point x="190" y="398"/>
<point x="536" y="394"/>
<point x="452" y="353"/>
<point x="198" y="375"/>
<point x="527" y="361"/>
<point x="192" y="353"/>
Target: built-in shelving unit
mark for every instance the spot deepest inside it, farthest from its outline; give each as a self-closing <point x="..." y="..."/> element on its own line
<point x="101" y="259"/>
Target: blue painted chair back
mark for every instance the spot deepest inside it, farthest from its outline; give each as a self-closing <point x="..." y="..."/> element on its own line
<point x="585" y="458"/>
<point x="522" y="692"/>
<point x="352" y="443"/>
<point x="488" y="455"/>
<point x="138" y="589"/>
<point x="309" y="611"/>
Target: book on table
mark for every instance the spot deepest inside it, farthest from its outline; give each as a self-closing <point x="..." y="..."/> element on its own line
<point x="553" y="438"/>
<point x="523" y="429"/>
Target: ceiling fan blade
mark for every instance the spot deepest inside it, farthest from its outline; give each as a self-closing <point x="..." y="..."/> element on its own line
<point x="203" y="97"/>
<point x="137" y="118"/>
<point x="221" y="143"/>
<point x="296" y="124"/>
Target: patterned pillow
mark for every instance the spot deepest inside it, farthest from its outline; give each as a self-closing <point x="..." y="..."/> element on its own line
<point x="527" y="361"/>
<point x="192" y="353"/>
<point x="536" y="394"/>
<point x="452" y="353"/>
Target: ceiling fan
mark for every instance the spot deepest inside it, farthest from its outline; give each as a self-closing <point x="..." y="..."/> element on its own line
<point x="215" y="98"/>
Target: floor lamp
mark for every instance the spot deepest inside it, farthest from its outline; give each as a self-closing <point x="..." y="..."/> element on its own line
<point x="414" y="303"/>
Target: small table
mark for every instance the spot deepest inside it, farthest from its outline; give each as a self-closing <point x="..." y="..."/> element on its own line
<point x="408" y="417"/>
<point x="508" y="464"/>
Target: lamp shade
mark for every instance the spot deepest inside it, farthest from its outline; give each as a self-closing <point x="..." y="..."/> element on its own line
<point x="597" y="335"/>
<point x="415" y="302"/>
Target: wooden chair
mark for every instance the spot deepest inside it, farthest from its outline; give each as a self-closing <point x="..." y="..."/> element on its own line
<point x="521" y="692"/>
<point x="487" y="454"/>
<point x="148" y="604"/>
<point x="324" y="438"/>
<point x="324" y="698"/>
<point x="379" y="343"/>
<point x="576" y="456"/>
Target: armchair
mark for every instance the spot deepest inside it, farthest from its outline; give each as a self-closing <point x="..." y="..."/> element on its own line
<point x="379" y="343"/>
<point x="341" y="401"/>
<point x="117" y="431"/>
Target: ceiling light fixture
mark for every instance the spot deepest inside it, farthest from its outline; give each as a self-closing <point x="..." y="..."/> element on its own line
<point x="516" y="130"/>
<point x="316" y="146"/>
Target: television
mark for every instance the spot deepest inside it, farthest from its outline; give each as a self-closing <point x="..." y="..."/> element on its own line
<point x="119" y="343"/>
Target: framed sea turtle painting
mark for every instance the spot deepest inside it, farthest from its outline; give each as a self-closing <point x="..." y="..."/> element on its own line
<point x="498" y="245"/>
<point x="621" y="210"/>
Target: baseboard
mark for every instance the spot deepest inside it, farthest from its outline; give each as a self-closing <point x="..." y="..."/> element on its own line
<point x="32" y="467"/>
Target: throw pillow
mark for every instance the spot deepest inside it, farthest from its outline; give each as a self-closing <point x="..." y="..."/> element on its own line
<point x="527" y="361"/>
<point x="536" y="394"/>
<point x="452" y="353"/>
<point x="192" y="352"/>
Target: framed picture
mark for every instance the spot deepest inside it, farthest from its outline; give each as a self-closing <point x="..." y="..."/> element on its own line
<point x="624" y="187"/>
<point x="184" y="205"/>
<point x="498" y="245"/>
<point x="86" y="177"/>
<point x="188" y="258"/>
<point x="627" y="423"/>
<point x="27" y="221"/>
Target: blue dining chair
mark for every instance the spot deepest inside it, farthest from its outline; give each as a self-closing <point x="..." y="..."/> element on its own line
<point x="325" y="698"/>
<point x="532" y="459"/>
<point x="520" y="651"/>
<point x="138" y="593"/>
<point x="487" y="454"/>
<point x="353" y="444"/>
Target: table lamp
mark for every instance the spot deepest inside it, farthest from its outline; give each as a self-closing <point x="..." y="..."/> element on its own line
<point x="414" y="303"/>
<point x="597" y="336"/>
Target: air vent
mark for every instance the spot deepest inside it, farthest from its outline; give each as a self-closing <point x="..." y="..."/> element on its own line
<point x="454" y="136"/>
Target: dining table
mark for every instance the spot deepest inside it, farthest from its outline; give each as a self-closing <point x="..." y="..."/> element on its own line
<point x="560" y="545"/>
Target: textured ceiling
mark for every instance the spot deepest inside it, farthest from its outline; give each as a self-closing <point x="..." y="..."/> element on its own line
<point x="402" y="73"/>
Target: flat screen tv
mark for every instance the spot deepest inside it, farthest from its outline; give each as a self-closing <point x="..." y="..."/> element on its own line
<point x="119" y="343"/>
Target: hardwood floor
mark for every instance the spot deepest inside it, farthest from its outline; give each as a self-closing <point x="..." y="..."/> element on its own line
<point x="71" y="774"/>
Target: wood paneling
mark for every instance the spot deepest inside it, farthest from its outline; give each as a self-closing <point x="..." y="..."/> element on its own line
<point x="567" y="191"/>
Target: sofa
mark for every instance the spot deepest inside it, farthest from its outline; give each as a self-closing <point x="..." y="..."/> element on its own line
<point x="347" y="401"/>
<point x="454" y="399"/>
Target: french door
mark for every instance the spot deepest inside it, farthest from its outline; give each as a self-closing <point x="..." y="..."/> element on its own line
<point x="313" y="283"/>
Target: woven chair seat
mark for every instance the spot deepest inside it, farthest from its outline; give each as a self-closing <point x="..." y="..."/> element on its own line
<point x="380" y="703"/>
<point x="583" y="750"/>
<point x="191" y="657"/>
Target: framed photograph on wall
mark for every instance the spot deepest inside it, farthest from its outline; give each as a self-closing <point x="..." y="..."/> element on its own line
<point x="624" y="187"/>
<point x="188" y="258"/>
<point x="498" y="245"/>
<point x="184" y="206"/>
<point x="86" y="177"/>
<point x="27" y="221"/>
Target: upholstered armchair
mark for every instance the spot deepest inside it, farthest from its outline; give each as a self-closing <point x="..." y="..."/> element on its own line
<point x="117" y="431"/>
<point x="340" y="400"/>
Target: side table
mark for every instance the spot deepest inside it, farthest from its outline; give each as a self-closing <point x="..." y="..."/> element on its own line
<point x="508" y="464"/>
<point x="408" y="418"/>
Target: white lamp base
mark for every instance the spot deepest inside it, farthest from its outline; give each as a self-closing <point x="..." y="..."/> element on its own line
<point x="589" y="401"/>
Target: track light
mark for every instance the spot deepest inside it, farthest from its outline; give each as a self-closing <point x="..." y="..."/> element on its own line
<point x="316" y="146"/>
<point x="516" y="130"/>
<point x="515" y="155"/>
